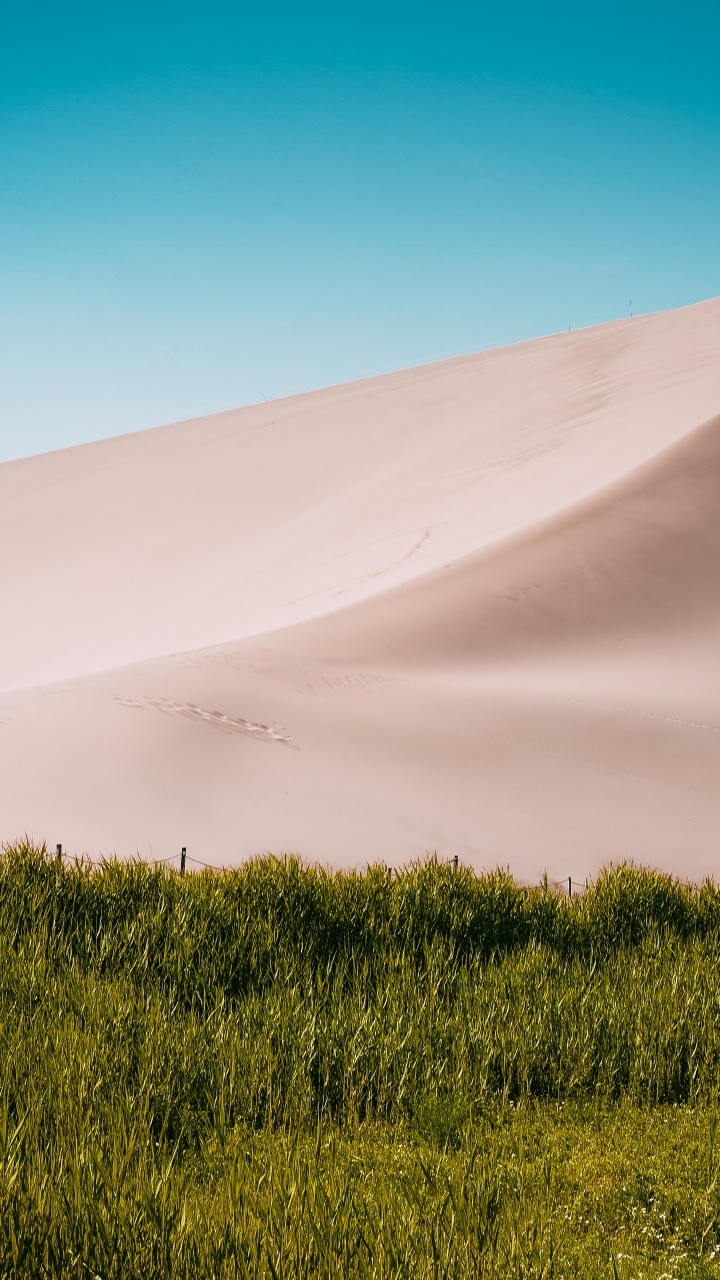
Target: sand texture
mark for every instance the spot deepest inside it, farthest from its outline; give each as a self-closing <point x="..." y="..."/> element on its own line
<point x="471" y="608"/>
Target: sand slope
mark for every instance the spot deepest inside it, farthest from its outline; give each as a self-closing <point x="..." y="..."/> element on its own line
<point x="471" y="607"/>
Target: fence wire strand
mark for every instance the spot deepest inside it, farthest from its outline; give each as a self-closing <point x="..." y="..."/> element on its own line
<point x="578" y="886"/>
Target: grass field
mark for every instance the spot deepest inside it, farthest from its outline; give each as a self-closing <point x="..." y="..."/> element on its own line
<point x="279" y="1072"/>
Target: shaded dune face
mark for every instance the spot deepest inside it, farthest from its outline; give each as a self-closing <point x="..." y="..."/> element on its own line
<point x="627" y="572"/>
<point x="472" y="607"/>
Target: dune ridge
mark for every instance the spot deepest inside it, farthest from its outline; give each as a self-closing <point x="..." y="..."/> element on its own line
<point x="480" y="598"/>
<point x="636" y="563"/>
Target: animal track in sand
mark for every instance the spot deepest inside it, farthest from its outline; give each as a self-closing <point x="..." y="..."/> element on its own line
<point x="218" y="719"/>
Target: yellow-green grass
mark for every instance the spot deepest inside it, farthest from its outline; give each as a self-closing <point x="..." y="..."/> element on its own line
<point x="276" y="1071"/>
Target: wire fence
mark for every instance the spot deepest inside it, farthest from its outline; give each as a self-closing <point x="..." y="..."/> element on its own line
<point x="569" y="885"/>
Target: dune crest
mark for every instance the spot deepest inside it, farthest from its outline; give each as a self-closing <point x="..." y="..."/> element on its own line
<point x="481" y="599"/>
<point x="623" y="573"/>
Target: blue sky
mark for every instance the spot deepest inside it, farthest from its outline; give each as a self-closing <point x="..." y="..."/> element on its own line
<point x="204" y="205"/>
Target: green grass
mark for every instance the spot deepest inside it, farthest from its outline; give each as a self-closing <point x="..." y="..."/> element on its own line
<point x="279" y="1072"/>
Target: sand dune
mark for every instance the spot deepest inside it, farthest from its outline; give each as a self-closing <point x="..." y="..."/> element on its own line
<point x="617" y="579"/>
<point x="472" y="607"/>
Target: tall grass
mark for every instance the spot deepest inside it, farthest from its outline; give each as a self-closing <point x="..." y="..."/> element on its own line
<point x="278" y="1071"/>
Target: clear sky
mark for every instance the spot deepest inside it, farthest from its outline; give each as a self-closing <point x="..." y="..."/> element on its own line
<point x="205" y="204"/>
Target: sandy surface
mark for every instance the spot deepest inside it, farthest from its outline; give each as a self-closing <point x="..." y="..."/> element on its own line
<point x="469" y="608"/>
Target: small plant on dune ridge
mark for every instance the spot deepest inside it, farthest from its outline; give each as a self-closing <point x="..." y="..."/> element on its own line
<point x="281" y="1071"/>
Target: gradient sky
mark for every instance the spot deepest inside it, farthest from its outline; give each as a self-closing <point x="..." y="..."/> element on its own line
<point x="202" y="205"/>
